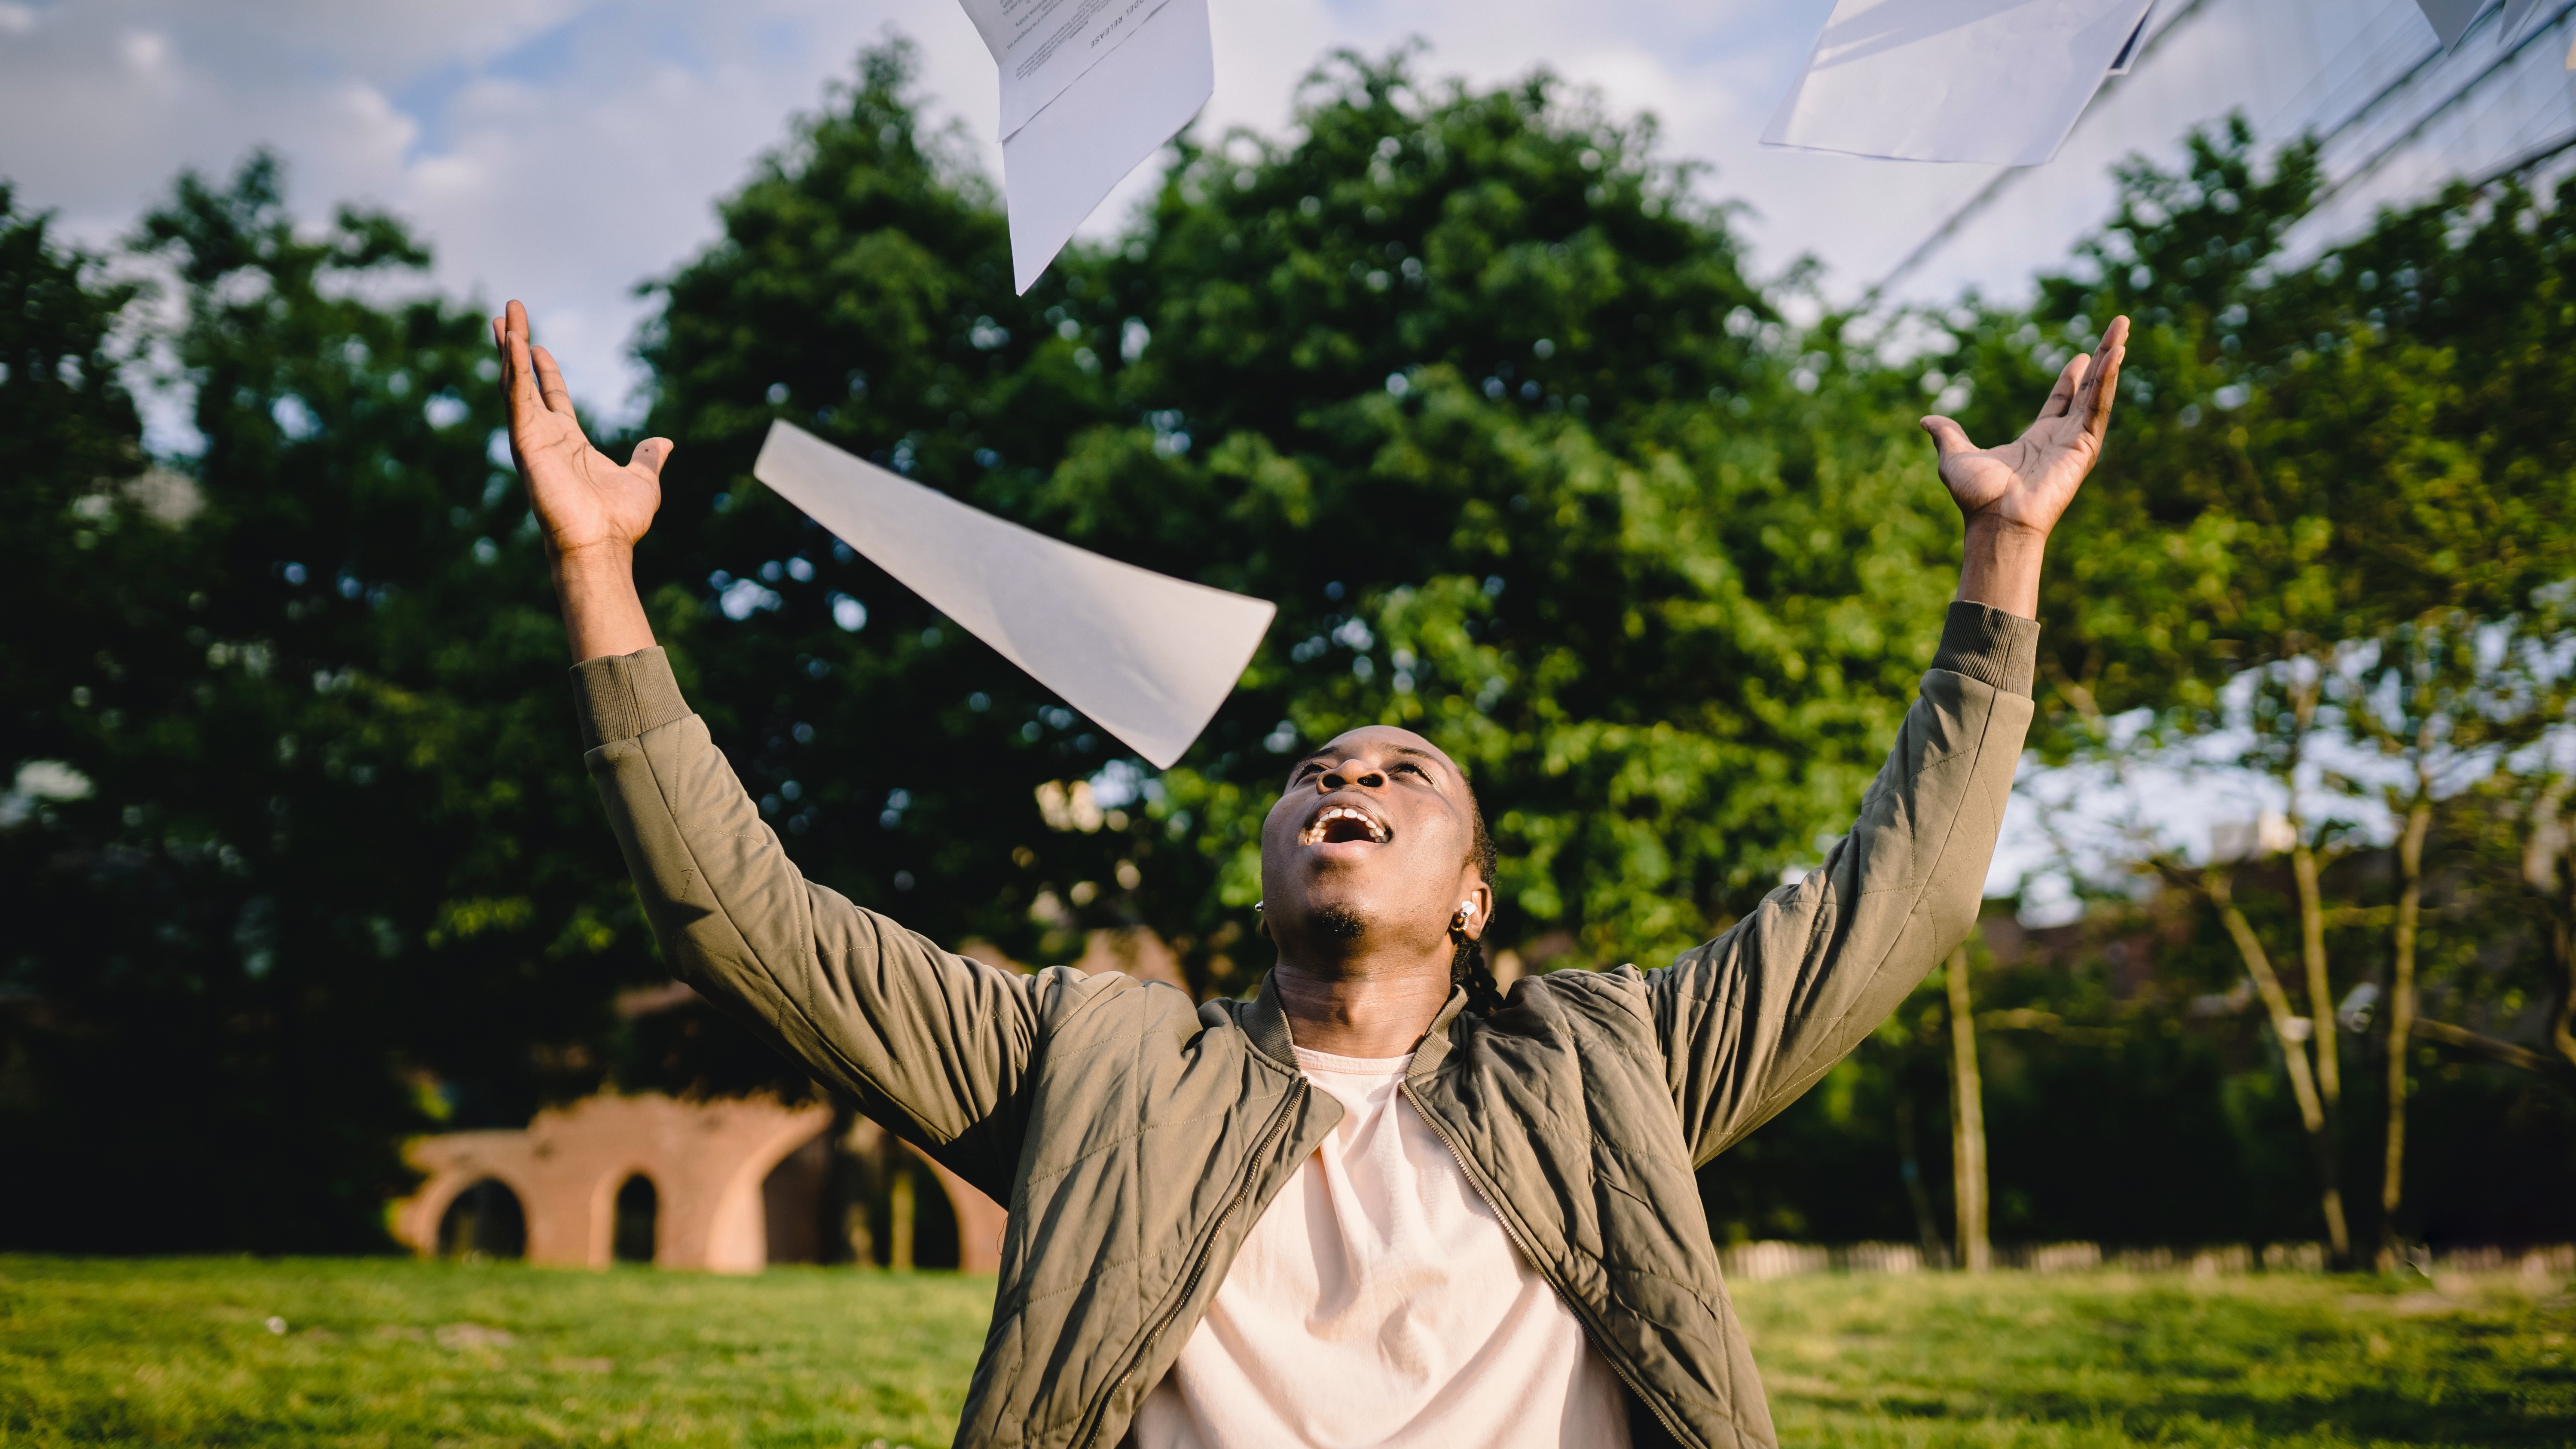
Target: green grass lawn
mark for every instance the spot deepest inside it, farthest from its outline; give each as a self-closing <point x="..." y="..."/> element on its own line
<point x="386" y="1352"/>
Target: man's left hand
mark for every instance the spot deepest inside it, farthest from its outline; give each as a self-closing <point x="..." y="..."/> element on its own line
<point x="2025" y="484"/>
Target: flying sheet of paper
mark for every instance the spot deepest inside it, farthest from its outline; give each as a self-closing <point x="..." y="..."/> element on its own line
<point x="2450" y="18"/>
<point x="1149" y="658"/>
<point x="1062" y="164"/>
<point x="1993" y="81"/>
<point x="1043" y="46"/>
<point x="2517" y="17"/>
<point x="2137" y="40"/>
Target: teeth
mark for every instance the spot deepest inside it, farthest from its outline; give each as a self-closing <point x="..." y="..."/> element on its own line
<point x="1314" y="833"/>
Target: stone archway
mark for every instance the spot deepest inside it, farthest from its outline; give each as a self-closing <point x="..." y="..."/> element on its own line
<point x="704" y="1159"/>
<point x="484" y="1220"/>
<point x="980" y="1220"/>
<point x="635" y="1227"/>
<point x="706" y="1162"/>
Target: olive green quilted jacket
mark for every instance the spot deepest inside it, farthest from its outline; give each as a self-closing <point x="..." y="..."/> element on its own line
<point x="1136" y="1135"/>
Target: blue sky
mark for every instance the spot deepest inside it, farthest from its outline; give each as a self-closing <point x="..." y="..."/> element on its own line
<point x="563" y="150"/>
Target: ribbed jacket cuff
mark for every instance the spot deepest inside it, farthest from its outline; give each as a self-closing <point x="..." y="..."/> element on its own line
<point x="621" y="696"/>
<point x="1988" y="644"/>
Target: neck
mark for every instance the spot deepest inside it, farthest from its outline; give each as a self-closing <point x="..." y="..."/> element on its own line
<point x="1376" y="1015"/>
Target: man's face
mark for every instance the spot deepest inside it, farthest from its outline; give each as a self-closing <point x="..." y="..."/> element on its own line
<point x="1368" y="849"/>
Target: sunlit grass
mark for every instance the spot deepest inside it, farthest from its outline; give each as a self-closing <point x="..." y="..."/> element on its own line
<point x="389" y="1352"/>
<point x="2115" y="1359"/>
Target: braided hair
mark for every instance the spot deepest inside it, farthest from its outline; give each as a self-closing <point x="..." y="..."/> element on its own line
<point x="1467" y="968"/>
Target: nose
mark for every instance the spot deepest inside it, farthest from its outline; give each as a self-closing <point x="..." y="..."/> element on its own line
<point x="1352" y="772"/>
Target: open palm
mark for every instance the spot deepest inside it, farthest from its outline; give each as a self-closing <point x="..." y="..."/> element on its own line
<point x="2027" y="483"/>
<point x="582" y="500"/>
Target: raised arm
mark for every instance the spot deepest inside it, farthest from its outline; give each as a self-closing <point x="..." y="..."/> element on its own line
<point x="930" y="1043"/>
<point x="1752" y="1019"/>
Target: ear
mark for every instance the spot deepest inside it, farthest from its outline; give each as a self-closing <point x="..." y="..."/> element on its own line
<point x="1477" y="899"/>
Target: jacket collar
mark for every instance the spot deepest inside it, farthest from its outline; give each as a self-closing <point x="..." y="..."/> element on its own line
<point x="1445" y="1031"/>
<point x="1265" y="1021"/>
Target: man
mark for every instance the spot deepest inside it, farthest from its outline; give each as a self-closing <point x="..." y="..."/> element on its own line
<point x="1378" y="1204"/>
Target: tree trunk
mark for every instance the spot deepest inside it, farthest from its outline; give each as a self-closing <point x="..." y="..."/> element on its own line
<point x="2562" y="938"/>
<point x="1967" y="1123"/>
<point x="2562" y="1028"/>
<point x="899" y="1210"/>
<point x="2546" y="868"/>
<point x="2312" y="952"/>
<point x="2312" y="924"/>
<point x="2401" y="1018"/>
<point x="1910" y="1168"/>
<point x="2294" y="1057"/>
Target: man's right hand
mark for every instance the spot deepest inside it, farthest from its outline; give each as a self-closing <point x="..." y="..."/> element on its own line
<point x="583" y="501"/>
<point x="591" y="510"/>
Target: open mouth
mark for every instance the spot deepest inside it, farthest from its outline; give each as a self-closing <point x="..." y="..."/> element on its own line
<point x="1343" y="825"/>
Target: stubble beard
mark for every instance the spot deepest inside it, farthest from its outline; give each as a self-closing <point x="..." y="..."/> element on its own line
<point x="1340" y="923"/>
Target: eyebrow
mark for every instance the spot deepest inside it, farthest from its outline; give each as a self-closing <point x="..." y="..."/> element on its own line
<point x="1417" y="753"/>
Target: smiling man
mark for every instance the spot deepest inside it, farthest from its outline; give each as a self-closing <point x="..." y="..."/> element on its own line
<point x="1380" y="1203"/>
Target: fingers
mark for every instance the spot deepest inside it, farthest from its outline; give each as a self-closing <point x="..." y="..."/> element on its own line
<point x="2103" y="388"/>
<point x="550" y="380"/>
<point x="2070" y="381"/>
<point x="518" y="372"/>
<point x="1948" y="437"/>
<point x="650" y="455"/>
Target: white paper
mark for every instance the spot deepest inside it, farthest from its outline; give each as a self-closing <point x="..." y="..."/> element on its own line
<point x="1063" y="163"/>
<point x="1994" y="81"/>
<point x="2450" y="18"/>
<point x="2517" y="18"/>
<point x="1043" y="46"/>
<point x="1149" y="658"/>
<point x="2136" y="42"/>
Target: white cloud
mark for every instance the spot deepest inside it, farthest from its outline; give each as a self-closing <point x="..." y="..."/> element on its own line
<point x="563" y="150"/>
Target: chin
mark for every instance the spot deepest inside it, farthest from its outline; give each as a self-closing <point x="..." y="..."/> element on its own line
<point x="1340" y="921"/>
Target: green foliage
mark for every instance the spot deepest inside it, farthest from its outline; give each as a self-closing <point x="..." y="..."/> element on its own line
<point x="68" y="437"/>
<point x="332" y="831"/>
<point x="2330" y="538"/>
<point x="2306" y="455"/>
<point x="1462" y="380"/>
<point x="398" y="1352"/>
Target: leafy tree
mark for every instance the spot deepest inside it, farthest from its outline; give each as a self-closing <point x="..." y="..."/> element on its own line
<point x="71" y="448"/>
<point x="1469" y="382"/>
<point x="2321" y="466"/>
<point x="331" y="862"/>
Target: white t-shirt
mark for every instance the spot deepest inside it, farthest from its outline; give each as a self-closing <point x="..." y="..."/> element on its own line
<point x="1378" y="1302"/>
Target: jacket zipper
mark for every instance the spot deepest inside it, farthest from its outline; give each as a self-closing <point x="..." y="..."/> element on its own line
<point x="1198" y="1269"/>
<point x="1511" y="1229"/>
